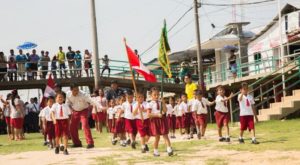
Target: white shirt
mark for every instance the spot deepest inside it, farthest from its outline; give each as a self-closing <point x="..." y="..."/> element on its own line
<point x="6" y="110"/>
<point x="111" y="112"/>
<point x="117" y="110"/>
<point x="177" y="111"/>
<point x="32" y="107"/>
<point x="41" y="113"/>
<point x="154" y="106"/>
<point x="101" y="103"/>
<point x="220" y="105"/>
<point x="183" y="107"/>
<point x="142" y="106"/>
<point x="46" y="113"/>
<point x="201" y="106"/>
<point x="14" y="113"/>
<point x="246" y="110"/>
<point x="80" y="102"/>
<point x="192" y="104"/>
<point x="170" y="109"/>
<point x="128" y="110"/>
<point x="56" y="109"/>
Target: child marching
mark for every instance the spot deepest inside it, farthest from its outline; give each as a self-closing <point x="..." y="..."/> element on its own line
<point x="187" y="115"/>
<point x="111" y="121"/>
<point x="171" y="116"/>
<point x="120" y="121"/>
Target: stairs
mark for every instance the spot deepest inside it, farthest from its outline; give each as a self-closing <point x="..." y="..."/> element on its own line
<point x="279" y="110"/>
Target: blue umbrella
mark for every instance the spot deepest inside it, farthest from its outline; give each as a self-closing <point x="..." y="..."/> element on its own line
<point x="27" y="45"/>
<point x="230" y="47"/>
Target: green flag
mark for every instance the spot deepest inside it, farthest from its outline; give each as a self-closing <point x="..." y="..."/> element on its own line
<point x="164" y="50"/>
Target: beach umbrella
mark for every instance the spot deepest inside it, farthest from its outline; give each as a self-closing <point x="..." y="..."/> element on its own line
<point x="230" y="47"/>
<point x="27" y="45"/>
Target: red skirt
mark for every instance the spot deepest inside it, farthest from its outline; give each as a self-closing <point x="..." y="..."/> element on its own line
<point x="221" y="118"/>
<point x="120" y="125"/>
<point x="111" y="125"/>
<point x="172" y="122"/>
<point x="16" y="123"/>
<point x="7" y="120"/>
<point x="179" y="122"/>
<point x="101" y="116"/>
<point x="62" y="128"/>
<point x="130" y="126"/>
<point x="187" y="120"/>
<point x="202" y="119"/>
<point x="95" y="117"/>
<point x="159" y="126"/>
<point x="50" y="130"/>
<point x="247" y="122"/>
<point x="143" y="127"/>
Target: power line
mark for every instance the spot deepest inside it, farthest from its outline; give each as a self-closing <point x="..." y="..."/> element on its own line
<point x="236" y="4"/>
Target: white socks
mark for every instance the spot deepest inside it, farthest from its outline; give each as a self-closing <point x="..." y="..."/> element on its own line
<point x="169" y="149"/>
<point x="156" y="152"/>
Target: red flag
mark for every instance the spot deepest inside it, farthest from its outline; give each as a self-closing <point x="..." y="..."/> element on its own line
<point x="49" y="91"/>
<point x="138" y="66"/>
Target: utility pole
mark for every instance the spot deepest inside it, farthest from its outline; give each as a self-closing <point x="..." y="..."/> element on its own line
<point x="95" y="45"/>
<point x="199" y="57"/>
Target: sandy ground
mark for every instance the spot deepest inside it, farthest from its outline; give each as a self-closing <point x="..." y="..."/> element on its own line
<point x="82" y="156"/>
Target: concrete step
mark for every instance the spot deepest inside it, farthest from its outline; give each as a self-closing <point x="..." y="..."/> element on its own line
<point x="290" y="98"/>
<point x="296" y="92"/>
<point x="263" y="117"/>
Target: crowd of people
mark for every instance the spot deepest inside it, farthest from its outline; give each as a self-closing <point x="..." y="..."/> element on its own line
<point x="126" y="114"/>
<point x="30" y="66"/>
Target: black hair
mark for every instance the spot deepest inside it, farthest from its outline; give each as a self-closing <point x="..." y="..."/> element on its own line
<point x="50" y="98"/>
<point x="129" y="92"/>
<point x="153" y="89"/>
<point x="59" y="93"/>
<point x="244" y="85"/>
<point x="199" y="92"/>
<point x="72" y="86"/>
<point x="188" y="75"/>
<point x="183" y="94"/>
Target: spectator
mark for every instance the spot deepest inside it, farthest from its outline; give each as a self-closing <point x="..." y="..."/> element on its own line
<point x="34" y="59"/>
<point x="27" y="64"/>
<point x="61" y="57"/>
<point x="12" y="66"/>
<point x="45" y="59"/>
<point x="114" y="91"/>
<point x="106" y="66"/>
<point x="87" y="62"/>
<point x="183" y="70"/>
<point x="3" y="66"/>
<point x="71" y="61"/>
<point x="21" y="60"/>
<point x="78" y="63"/>
<point x="232" y="64"/>
<point x="54" y="66"/>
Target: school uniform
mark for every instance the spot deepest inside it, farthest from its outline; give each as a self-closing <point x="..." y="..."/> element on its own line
<point x="62" y="113"/>
<point x="201" y="111"/>
<point x="101" y="110"/>
<point x="178" y="117"/>
<point x="192" y="104"/>
<point x="94" y="111"/>
<point x="158" y="126"/>
<point x="142" y="121"/>
<point x="16" y="117"/>
<point x="7" y="115"/>
<point x="120" y="121"/>
<point x="111" y="120"/>
<point x="50" y="130"/>
<point x="246" y="112"/>
<point x="130" y="125"/>
<point x="171" y="117"/>
<point x="221" y="114"/>
<point x="187" y="116"/>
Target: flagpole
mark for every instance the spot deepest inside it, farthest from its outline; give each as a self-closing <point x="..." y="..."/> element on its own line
<point x="133" y="80"/>
<point x="162" y="90"/>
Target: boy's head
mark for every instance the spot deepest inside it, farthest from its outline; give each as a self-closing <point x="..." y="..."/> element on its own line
<point x="171" y="100"/>
<point x="75" y="89"/>
<point x="188" y="78"/>
<point x="199" y="94"/>
<point x="112" y="102"/>
<point x="129" y="96"/>
<point x="154" y="92"/>
<point x="178" y="100"/>
<point x="101" y="92"/>
<point x="244" y="88"/>
<point x="184" y="97"/>
<point x="59" y="98"/>
<point x="50" y="101"/>
<point x="221" y="90"/>
<point x="140" y="97"/>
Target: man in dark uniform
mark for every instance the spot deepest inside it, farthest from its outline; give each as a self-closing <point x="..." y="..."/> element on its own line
<point x="114" y="91"/>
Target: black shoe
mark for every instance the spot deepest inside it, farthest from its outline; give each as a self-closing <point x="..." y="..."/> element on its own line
<point x="61" y="148"/>
<point x="171" y="153"/>
<point x="133" y="145"/>
<point x="56" y="150"/>
<point x="241" y="141"/>
<point x="228" y="139"/>
<point x="128" y="142"/>
<point x="199" y="136"/>
<point x="45" y="143"/>
<point x="76" y="145"/>
<point x="89" y="146"/>
<point x="114" y="142"/>
<point x="222" y="139"/>
<point x="123" y="144"/>
<point x="156" y="155"/>
<point x="254" y="142"/>
<point x="66" y="152"/>
<point x="146" y="148"/>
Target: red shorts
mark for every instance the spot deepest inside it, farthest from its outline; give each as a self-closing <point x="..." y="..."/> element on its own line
<point x="247" y="122"/>
<point x="201" y="119"/>
<point x="187" y="120"/>
<point x="111" y="125"/>
<point x="172" y="122"/>
<point x="50" y="131"/>
<point x="62" y="128"/>
<point x="179" y="122"/>
<point x="159" y="126"/>
<point x="120" y="125"/>
<point x="101" y="116"/>
<point x="16" y="123"/>
<point x="143" y="127"/>
<point x="222" y="118"/>
<point x="7" y="120"/>
<point x="130" y="126"/>
<point x="95" y="117"/>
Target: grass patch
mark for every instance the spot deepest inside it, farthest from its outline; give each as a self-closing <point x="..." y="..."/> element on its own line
<point x="216" y="161"/>
<point x="106" y="160"/>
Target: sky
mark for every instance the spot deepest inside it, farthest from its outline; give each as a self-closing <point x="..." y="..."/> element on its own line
<point x="54" y="23"/>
